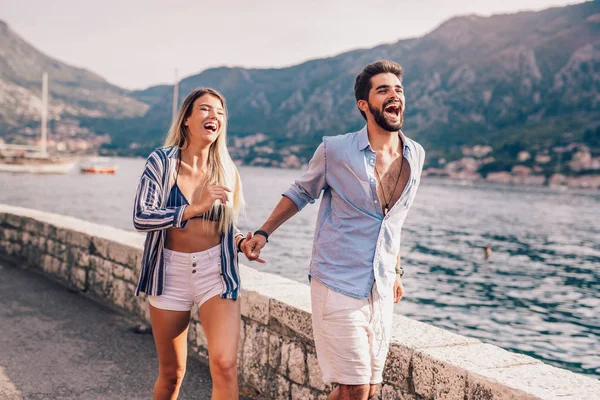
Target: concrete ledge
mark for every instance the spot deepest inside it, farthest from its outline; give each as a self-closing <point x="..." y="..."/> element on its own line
<point x="276" y="353"/>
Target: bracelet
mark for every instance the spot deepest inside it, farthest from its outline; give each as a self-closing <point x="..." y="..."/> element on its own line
<point x="400" y="271"/>
<point x="262" y="233"/>
<point x="239" y="246"/>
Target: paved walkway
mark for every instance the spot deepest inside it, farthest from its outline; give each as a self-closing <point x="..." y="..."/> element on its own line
<point x="58" y="344"/>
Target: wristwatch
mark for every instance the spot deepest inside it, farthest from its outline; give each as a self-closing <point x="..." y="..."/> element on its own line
<point x="400" y="271"/>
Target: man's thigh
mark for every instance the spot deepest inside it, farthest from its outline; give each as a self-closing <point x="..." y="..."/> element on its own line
<point x="340" y="328"/>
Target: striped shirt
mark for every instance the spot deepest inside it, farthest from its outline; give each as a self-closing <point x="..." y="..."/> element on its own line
<point x="153" y="215"/>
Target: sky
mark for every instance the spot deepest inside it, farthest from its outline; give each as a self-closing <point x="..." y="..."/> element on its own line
<point x="140" y="43"/>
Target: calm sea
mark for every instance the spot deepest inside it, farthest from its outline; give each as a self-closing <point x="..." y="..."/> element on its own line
<point x="537" y="295"/>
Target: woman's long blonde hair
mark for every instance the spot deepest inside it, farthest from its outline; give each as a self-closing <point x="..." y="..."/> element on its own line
<point x="221" y="168"/>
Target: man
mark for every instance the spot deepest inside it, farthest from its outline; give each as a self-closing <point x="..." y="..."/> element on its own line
<point x="369" y="180"/>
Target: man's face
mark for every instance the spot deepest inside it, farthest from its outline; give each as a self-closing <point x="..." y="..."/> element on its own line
<point x="386" y="101"/>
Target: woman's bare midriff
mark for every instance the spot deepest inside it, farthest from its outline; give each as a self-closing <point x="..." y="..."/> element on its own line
<point x="198" y="235"/>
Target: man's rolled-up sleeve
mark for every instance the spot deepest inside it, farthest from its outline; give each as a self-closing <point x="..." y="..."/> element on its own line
<point x="309" y="187"/>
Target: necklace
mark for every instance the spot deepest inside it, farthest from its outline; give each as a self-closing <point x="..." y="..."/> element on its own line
<point x="387" y="202"/>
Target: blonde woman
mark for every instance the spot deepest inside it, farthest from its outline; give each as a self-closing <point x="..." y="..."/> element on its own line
<point x="188" y="199"/>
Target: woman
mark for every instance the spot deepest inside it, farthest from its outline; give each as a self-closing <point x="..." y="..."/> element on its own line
<point x="188" y="199"/>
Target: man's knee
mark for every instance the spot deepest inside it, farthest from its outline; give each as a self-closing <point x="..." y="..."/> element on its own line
<point x="373" y="390"/>
<point x="348" y="392"/>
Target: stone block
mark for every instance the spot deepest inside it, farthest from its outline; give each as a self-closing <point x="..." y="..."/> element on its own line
<point x="437" y="379"/>
<point x="117" y="252"/>
<point x="255" y="357"/>
<point x="397" y="366"/>
<point x="389" y="392"/>
<point x="296" y="319"/>
<point x="418" y="335"/>
<point x="255" y="306"/>
<point x="119" y="292"/>
<point x="79" y="278"/>
<point x="275" y="353"/>
<point x="531" y="381"/>
<point x="32" y="226"/>
<point x="278" y="388"/>
<point x="12" y="220"/>
<point x="315" y="377"/>
<point x="72" y="237"/>
<point x="303" y="393"/>
<point x="296" y="362"/>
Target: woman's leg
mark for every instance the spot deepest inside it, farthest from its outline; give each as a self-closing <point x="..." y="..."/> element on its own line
<point x="170" y="336"/>
<point x="221" y="321"/>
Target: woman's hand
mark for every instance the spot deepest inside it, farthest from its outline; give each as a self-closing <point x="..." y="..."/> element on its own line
<point x="210" y="194"/>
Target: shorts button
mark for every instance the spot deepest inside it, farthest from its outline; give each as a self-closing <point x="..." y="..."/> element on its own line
<point x="193" y="271"/>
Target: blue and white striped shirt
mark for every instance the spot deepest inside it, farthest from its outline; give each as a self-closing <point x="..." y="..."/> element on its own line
<point x="152" y="215"/>
<point x="355" y="245"/>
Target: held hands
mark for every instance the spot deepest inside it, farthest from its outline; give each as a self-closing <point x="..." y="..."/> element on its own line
<point x="252" y="247"/>
<point x="247" y="248"/>
<point x="210" y="194"/>
<point x="398" y="289"/>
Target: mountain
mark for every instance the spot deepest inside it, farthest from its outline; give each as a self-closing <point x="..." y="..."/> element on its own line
<point x="74" y="92"/>
<point x="515" y="82"/>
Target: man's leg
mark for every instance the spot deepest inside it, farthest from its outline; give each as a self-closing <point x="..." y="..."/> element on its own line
<point x="335" y="394"/>
<point x="340" y="328"/>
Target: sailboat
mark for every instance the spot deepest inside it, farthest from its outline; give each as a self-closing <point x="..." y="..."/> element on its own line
<point x="33" y="159"/>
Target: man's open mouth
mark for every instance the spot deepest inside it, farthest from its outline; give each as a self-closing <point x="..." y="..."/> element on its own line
<point x="393" y="110"/>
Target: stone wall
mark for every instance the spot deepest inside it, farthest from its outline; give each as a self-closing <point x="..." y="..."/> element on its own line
<point x="277" y="357"/>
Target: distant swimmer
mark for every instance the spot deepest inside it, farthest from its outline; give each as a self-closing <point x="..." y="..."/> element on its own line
<point x="487" y="251"/>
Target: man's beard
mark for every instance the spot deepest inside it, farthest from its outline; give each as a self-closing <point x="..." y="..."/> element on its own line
<point x="379" y="118"/>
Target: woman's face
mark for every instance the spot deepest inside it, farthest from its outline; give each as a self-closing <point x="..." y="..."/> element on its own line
<point x="206" y="120"/>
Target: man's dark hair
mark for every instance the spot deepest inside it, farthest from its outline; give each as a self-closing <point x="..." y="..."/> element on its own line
<point x="362" y="85"/>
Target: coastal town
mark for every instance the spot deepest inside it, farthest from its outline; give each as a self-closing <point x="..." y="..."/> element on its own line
<point x="573" y="165"/>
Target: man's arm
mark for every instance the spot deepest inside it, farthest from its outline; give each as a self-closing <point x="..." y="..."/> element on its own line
<point x="398" y="287"/>
<point x="305" y="190"/>
<point x="283" y="211"/>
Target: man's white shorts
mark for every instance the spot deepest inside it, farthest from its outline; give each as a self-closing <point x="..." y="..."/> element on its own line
<point x="352" y="335"/>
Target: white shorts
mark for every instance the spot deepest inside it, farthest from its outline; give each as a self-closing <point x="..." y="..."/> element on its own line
<point x="352" y="335"/>
<point x="190" y="278"/>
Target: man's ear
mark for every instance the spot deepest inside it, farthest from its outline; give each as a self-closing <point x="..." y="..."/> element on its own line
<point x="363" y="106"/>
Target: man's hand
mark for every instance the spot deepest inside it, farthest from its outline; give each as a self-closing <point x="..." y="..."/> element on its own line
<point x="398" y="289"/>
<point x="252" y="247"/>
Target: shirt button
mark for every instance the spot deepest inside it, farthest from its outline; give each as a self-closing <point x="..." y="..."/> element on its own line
<point x="193" y="257"/>
<point x="194" y="264"/>
<point x="376" y="202"/>
<point x="193" y="271"/>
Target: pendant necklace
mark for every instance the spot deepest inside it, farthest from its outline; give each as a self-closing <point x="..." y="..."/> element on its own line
<point x="387" y="202"/>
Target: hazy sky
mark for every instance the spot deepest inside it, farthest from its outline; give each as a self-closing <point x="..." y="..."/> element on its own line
<point x="136" y="44"/>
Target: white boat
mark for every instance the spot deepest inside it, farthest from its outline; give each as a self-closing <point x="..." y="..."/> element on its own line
<point x="37" y="165"/>
<point x="31" y="159"/>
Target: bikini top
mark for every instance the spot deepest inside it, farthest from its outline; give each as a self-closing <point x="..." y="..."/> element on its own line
<point x="177" y="199"/>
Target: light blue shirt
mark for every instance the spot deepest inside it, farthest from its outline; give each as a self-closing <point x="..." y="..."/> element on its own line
<point x="355" y="245"/>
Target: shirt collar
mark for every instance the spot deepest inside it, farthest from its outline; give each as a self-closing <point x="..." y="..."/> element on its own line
<point x="172" y="152"/>
<point x="363" y="139"/>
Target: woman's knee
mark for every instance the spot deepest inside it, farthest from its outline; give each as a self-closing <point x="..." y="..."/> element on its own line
<point x="172" y="374"/>
<point x="224" y="365"/>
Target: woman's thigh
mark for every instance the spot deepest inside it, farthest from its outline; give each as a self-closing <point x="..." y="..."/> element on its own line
<point x="169" y="329"/>
<point x="221" y="321"/>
